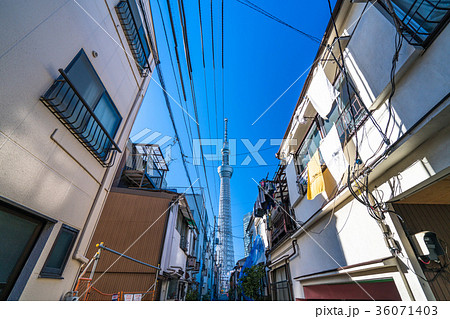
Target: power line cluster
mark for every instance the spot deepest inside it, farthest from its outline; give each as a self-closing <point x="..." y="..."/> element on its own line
<point x="178" y="36"/>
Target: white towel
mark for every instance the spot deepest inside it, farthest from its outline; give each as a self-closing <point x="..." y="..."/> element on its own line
<point x="332" y="154"/>
<point x="321" y="93"/>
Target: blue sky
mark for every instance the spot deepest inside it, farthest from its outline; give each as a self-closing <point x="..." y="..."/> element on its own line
<point x="262" y="58"/>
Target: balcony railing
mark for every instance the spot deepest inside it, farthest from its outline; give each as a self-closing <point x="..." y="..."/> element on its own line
<point x="145" y="166"/>
<point x="134" y="32"/>
<point x="282" y="224"/>
<point x="347" y="123"/>
<point x="419" y="19"/>
<point x="67" y="104"/>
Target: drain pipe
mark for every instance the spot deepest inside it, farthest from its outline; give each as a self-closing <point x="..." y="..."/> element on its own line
<point x="77" y="255"/>
<point x="286" y="265"/>
<point x="287" y="259"/>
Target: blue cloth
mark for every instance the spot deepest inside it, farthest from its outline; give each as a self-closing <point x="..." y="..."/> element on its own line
<point x="255" y="257"/>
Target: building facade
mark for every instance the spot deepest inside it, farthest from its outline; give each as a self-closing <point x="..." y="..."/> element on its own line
<point x="366" y="160"/>
<point x="152" y="230"/>
<point x="247" y="239"/>
<point x="73" y="78"/>
<point x="203" y="251"/>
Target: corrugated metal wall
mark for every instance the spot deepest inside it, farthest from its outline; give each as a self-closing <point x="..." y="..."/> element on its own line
<point x="125" y="219"/>
<point x="421" y="217"/>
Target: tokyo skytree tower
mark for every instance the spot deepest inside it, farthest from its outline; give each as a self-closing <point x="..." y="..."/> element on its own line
<point x="225" y="247"/>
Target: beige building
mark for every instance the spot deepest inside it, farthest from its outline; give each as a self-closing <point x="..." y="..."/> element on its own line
<point x="73" y="76"/>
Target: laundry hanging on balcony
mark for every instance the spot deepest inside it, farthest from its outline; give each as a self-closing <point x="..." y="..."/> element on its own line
<point x="316" y="184"/>
<point x="321" y="93"/>
<point x="332" y="154"/>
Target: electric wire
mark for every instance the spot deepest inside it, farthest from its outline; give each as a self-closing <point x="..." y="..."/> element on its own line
<point x="206" y="86"/>
<point x="194" y="100"/>
<point x="214" y="66"/>
<point x="271" y="16"/>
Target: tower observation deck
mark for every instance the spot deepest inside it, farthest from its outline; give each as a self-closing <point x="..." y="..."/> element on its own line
<point x="225" y="247"/>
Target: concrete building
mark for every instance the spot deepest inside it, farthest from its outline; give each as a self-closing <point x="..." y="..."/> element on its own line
<point x="367" y="160"/>
<point x="74" y="74"/>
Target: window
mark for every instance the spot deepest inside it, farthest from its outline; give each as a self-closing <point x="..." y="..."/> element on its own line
<point x="19" y="232"/>
<point x="133" y="27"/>
<point x="172" y="289"/>
<point x="182" y="228"/>
<point x="57" y="259"/>
<point x="421" y="19"/>
<point x="80" y="101"/>
<point x="308" y="147"/>
<point x="280" y="285"/>
<point x="348" y="114"/>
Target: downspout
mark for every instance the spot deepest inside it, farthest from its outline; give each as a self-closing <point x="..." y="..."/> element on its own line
<point x="77" y="255"/>
<point x="162" y="248"/>
<point x="286" y="265"/>
<point x="286" y="258"/>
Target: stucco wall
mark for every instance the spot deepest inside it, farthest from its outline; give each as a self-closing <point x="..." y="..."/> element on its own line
<point x="39" y="38"/>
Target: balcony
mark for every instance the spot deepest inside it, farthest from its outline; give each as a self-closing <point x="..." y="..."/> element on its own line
<point x="68" y="105"/>
<point x="420" y="20"/>
<point x="145" y="167"/>
<point x="133" y="29"/>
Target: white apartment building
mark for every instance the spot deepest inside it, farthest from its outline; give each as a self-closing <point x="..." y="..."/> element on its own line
<point x="73" y="76"/>
<point x="385" y="124"/>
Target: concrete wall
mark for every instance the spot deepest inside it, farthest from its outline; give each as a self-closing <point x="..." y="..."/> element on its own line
<point x="59" y="180"/>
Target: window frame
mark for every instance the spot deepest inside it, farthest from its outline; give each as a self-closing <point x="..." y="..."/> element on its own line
<point x="68" y="110"/>
<point x="287" y="281"/>
<point x="318" y="124"/>
<point x="14" y="275"/>
<point x="105" y="93"/>
<point x="412" y="36"/>
<point x="56" y="273"/>
<point x="142" y="33"/>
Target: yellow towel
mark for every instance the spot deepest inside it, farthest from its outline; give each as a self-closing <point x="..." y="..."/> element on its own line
<point x="316" y="183"/>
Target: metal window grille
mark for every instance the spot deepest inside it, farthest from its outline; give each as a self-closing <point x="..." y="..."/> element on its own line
<point x="67" y="104"/>
<point x="136" y="41"/>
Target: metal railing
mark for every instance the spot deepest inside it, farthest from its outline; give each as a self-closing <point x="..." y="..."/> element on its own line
<point x="347" y="123"/>
<point x="421" y="19"/>
<point x="129" y="26"/>
<point x="145" y="164"/>
<point x="67" y="104"/>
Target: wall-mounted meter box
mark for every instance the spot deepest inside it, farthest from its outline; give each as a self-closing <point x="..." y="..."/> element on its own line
<point x="427" y="245"/>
